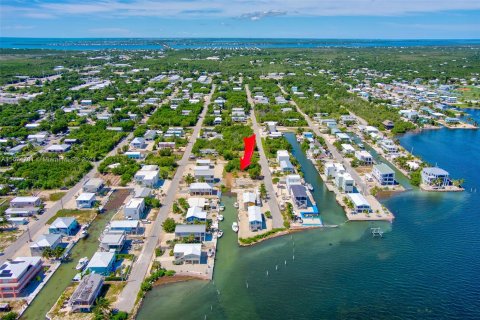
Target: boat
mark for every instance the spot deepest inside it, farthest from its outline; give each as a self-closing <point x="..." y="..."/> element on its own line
<point x="235" y="227"/>
<point x="84" y="234"/>
<point x="220" y="217"/>
<point x="82" y="263"/>
<point x="220" y="233"/>
<point x="77" y="277"/>
<point x="309" y="186"/>
<point x="221" y="207"/>
<point x="235" y="204"/>
<point x="210" y="252"/>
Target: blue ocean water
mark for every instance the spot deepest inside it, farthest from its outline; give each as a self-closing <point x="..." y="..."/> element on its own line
<point x="426" y="266"/>
<point x="191" y="43"/>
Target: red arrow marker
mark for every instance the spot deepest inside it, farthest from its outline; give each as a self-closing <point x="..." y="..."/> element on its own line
<point x="248" y="152"/>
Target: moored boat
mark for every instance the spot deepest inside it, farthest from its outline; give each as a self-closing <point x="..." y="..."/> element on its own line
<point x="220" y="217"/>
<point x="235" y="227"/>
<point x="82" y="263"/>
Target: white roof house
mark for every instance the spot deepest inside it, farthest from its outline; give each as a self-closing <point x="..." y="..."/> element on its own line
<point x="134" y="208"/>
<point x="360" y="204"/>
<point x="188" y="252"/>
<point x="45" y="241"/>
<point x="204" y="172"/>
<point x="59" y="148"/>
<point x="201" y="188"/>
<point x="254" y="214"/>
<point x="23" y="202"/>
<point x="101" y="260"/>
<point x="196" y="213"/>
<point x="197" y="202"/>
<point x="93" y="185"/>
<point x="283" y="155"/>
<point x="147" y="176"/>
<point x="85" y="200"/>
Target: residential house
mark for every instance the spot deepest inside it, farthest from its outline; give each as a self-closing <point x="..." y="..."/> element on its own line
<point x="58" y="148"/>
<point x="148" y="176"/>
<point x="360" y="204"/>
<point x="138" y="143"/>
<point x="197" y="231"/>
<point x="25" y="202"/>
<point x="196" y="214"/>
<point x="201" y="188"/>
<point x="388" y="146"/>
<point x="93" y="185"/>
<point x="86" y="200"/>
<point x="345" y="182"/>
<point x="136" y="155"/>
<point x="166" y="145"/>
<point x="347" y="148"/>
<point x="383" y="174"/>
<point x="113" y="241"/>
<point x="85" y="295"/>
<point x="188" y="253"/>
<point x="299" y="196"/>
<point x="134" y="209"/>
<point x="238" y="115"/>
<point x="255" y="220"/>
<point x="434" y="176"/>
<point x="364" y="157"/>
<point x="127" y="226"/>
<point x="291" y="180"/>
<point x="249" y="199"/>
<point x="204" y="174"/>
<point x="66" y="226"/>
<point x="101" y="263"/>
<point x="343" y="137"/>
<point x="43" y="242"/>
<point x="150" y="135"/>
<point x="16" y="274"/>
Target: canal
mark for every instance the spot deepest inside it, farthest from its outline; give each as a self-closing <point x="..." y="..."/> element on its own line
<point x="62" y="278"/>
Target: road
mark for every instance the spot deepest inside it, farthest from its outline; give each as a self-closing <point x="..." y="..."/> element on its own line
<point x="338" y="157"/>
<point x="37" y="225"/>
<point x="277" y="218"/>
<point x="127" y="298"/>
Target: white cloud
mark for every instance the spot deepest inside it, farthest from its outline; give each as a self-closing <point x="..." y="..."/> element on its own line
<point x="250" y="9"/>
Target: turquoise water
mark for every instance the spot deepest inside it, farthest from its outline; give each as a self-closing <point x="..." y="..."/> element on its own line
<point x="426" y="266"/>
<point x="179" y="43"/>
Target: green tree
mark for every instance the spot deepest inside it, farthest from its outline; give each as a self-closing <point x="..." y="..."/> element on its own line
<point x="169" y="225"/>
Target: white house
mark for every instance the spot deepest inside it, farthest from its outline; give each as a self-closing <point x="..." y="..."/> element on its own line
<point x="291" y="180"/>
<point x="255" y="218"/>
<point x="364" y="156"/>
<point x="86" y="200"/>
<point x="347" y="148"/>
<point x="435" y="176"/>
<point x="383" y="174"/>
<point x="58" y="148"/>
<point x="204" y="173"/>
<point x="189" y="253"/>
<point x="201" y="188"/>
<point x="93" y="185"/>
<point x="196" y="214"/>
<point x="25" y="202"/>
<point x="360" y="204"/>
<point x="147" y="176"/>
<point x="134" y="209"/>
<point x="388" y="146"/>
<point x="138" y="143"/>
<point x="345" y="182"/>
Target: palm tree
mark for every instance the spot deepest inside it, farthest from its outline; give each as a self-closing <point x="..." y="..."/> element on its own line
<point x="102" y="307"/>
<point x="189" y="179"/>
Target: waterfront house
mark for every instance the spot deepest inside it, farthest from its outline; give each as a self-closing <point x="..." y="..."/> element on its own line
<point x="93" y="185"/>
<point x="388" y="146"/>
<point x="343" y="137"/>
<point x="196" y="214"/>
<point x="113" y="241"/>
<point x="451" y="120"/>
<point x="291" y="180"/>
<point x="66" y="226"/>
<point x="204" y="174"/>
<point x="434" y="176"/>
<point x="148" y="176"/>
<point x="25" y="202"/>
<point x="271" y="126"/>
<point x="43" y="242"/>
<point x="16" y="274"/>
<point x="85" y="295"/>
<point x="255" y="221"/>
<point x="388" y="124"/>
<point x="200" y="188"/>
<point x="142" y="192"/>
<point x="345" y="182"/>
<point x="86" y="200"/>
<point x="364" y="156"/>
<point x="249" y="199"/>
<point x="383" y="174"/>
<point x="138" y="143"/>
<point x="347" y="148"/>
<point x="127" y="226"/>
<point x="101" y="263"/>
<point x="188" y="253"/>
<point x="134" y="209"/>
<point x="197" y="231"/>
<point x="197" y="202"/>
<point x="360" y="204"/>
<point x="299" y="196"/>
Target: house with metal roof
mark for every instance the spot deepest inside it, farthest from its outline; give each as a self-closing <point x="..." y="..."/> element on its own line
<point x="188" y="253"/>
<point x="360" y="204"/>
<point x="93" y="185"/>
<point x="134" y="209"/>
<point x="25" y="202"/>
<point x="201" y="188"/>
<point x="255" y="220"/>
<point x="101" y="263"/>
<point x="434" y="176"/>
<point x="299" y="196"/>
<point x="198" y="231"/>
<point x="383" y="174"/>
<point x="113" y="241"/>
<point x="16" y="274"/>
<point x="85" y="295"/>
<point x="43" y="242"/>
<point x="66" y="226"/>
<point x="127" y="226"/>
<point x="86" y="200"/>
<point x="196" y="214"/>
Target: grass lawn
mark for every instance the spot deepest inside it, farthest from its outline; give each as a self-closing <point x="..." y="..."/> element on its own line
<point x="56" y="196"/>
<point x="82" y="216"/>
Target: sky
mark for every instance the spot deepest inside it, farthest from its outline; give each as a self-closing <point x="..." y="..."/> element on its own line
<point x="359" y="19"/>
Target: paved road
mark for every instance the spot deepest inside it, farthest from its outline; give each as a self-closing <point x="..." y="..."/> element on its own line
<point x="35" y="228"/>
<point x="126" y="300"/>
<point x="277" y="218"/>
<point x="338" y="157"/>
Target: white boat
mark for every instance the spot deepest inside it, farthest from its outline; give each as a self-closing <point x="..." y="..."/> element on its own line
<point x="220" y="217"/>
<point x="309" y="186"/>
<point x="235" y="227"/>
<point x="220" y="233"/>
<point x="82" y="263"/>
<point x="221" y="207"/>
<point x="235" y="204"/>
<point x="210" y="252"/>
